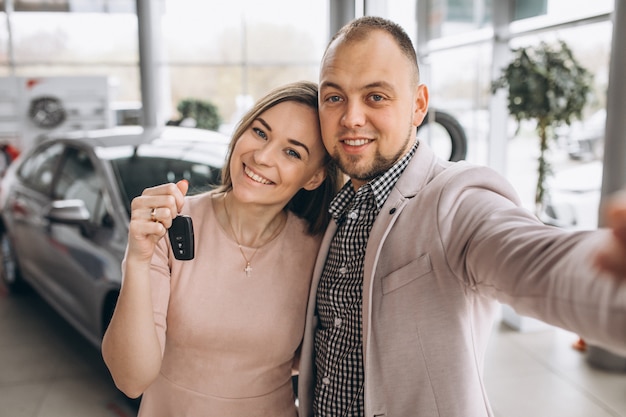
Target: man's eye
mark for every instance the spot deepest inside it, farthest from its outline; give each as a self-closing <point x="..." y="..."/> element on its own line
<point x="376" y="97"/>
<point x="259" y="132"/>
<point x="334" y="99"/>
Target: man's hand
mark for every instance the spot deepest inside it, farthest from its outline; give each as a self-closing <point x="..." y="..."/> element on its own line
<point x="612" y="257"/>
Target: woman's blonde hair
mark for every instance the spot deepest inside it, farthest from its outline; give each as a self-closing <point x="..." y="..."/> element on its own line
<point x="310" y="205"/>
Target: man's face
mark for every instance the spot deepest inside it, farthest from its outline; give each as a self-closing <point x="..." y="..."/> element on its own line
<point x="370" y="105"/>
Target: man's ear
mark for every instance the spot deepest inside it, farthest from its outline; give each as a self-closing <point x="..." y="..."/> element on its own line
<point x="316" y="180"/>
<point x="421" y="104"/>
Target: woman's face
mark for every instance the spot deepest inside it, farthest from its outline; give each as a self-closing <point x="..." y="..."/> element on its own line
<point x="280" y="153"/>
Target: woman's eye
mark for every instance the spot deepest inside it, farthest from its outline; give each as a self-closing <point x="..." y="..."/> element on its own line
<point x="260" y="133"/>
<point x="293" y="153"/>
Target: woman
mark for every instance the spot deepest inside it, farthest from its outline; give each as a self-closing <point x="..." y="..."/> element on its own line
<point x="218" y="335"/>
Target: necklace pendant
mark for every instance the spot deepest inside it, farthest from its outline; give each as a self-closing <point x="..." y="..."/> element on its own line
<point x="248" y="269"/>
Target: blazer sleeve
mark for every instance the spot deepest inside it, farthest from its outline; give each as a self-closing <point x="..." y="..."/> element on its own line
<point x="501" y="250"/>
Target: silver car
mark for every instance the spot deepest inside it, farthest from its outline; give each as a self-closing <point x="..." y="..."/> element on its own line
<point x="65" y="209"/>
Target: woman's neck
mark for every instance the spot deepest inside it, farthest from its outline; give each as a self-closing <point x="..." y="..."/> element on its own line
<point x="248" y="224"/>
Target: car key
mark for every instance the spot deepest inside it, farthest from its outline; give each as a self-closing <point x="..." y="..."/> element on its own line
<point x="181" y="238"/>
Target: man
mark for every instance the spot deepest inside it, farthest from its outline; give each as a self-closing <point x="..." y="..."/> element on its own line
<point x="421" y="251"/>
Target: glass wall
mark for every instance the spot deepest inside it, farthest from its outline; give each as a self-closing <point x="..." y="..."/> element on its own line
<point x="454" y="17"/>
<point x="576" y="152"/>
<point x="458" y="55"/>
<point x="82" y="53"/>
<point x="48" y="44"/>
<point x="232" y="52"/>
<point x="459" y="80"/>
<point x="228" y="53"/>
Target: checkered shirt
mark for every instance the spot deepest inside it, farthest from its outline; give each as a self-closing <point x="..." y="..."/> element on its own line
<point x="339" y="336"/>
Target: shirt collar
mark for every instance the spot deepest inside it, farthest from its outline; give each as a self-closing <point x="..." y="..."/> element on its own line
<point x="380" y="186"/>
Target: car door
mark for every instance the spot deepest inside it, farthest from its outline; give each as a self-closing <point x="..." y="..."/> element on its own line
<point x="81" y="243"/>
<point x="28" y="198"/>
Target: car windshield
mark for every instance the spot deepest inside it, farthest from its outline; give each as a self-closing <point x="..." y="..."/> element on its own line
<point x="135" y="173"/>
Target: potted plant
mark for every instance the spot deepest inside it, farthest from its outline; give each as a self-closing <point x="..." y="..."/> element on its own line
<point x="202" y="114"/>
<point x="545" y="84"/>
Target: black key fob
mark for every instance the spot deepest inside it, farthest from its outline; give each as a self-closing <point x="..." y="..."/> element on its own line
<point x="181" y="238"/>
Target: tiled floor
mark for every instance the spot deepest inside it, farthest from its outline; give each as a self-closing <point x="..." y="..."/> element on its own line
<point x="539" y="374"/>
<point x="48" y="370"/>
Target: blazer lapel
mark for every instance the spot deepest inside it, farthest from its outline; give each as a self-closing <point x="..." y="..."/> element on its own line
<point x="417" y="174"/>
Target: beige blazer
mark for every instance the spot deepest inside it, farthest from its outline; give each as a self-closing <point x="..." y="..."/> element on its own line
<point x="450" y="243"/>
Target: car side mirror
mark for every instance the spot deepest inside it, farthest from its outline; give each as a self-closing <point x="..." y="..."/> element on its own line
<point x="68" y="212"/>
<point x="71" y="212"/>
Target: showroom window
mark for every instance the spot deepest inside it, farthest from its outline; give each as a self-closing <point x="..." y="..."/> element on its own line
<point x="229" y="53"/>
<point x="234" y="53"/>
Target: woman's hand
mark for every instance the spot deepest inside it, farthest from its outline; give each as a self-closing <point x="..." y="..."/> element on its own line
<point x="151" y="215"/>
<point x="131" y="347"/>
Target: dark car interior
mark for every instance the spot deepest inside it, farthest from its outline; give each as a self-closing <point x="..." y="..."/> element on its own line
<point x="135" y="174"/>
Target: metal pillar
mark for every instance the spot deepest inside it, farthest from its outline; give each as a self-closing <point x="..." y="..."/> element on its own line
<point x="421" y="17"/>
<point x="150" y="62"/>
<point x="375" y="8"/>
<point x="421" y="40"/>
<point x="614" y="167"/>
<point x="8" y="7"/>
<point x="341" y="12"/>
<point x="498" y="111"/>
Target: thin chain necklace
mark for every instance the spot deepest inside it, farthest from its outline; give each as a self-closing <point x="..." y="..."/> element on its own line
<point x="248" y="268"/>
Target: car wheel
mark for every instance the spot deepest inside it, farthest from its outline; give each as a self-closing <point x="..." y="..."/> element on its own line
<point x="10" y="272"/>
<point x="454" y="129"/>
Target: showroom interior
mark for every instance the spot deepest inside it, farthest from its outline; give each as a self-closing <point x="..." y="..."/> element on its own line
<point x="113" y="63"/>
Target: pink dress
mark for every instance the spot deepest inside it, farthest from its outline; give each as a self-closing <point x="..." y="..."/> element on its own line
<point x="229" y="340"/>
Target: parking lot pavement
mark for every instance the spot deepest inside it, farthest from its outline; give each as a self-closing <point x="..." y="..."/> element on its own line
<point x="47" y="369"/>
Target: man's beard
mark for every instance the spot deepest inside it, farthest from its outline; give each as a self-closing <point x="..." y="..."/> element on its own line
<point x="349" y="164"/>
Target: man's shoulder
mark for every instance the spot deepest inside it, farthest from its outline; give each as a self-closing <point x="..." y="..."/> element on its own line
<point x="464" y="173"/>
<point x="454" y="178"/>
